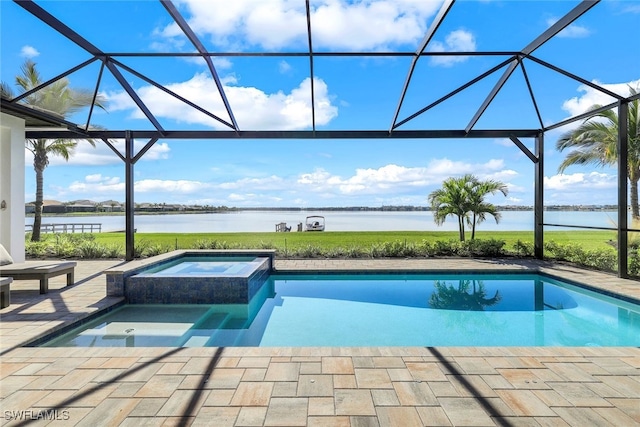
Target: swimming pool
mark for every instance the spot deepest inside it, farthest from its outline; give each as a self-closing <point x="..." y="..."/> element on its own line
<point x="379" y="310"/>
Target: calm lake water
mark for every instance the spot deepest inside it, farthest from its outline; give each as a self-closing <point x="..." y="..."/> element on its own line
<point x="264" y="221"/>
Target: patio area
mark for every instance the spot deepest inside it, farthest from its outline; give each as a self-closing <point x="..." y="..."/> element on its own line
<point x="388" y="386"/>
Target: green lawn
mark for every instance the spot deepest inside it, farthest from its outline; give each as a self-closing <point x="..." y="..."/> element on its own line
<point x="332" y="239"/>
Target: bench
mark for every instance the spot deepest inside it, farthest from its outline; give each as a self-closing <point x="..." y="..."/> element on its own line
<point x="40" y="270"/>
<point x="5" y="291"/>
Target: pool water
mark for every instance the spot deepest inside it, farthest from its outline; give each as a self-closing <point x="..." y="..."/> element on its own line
<point x="379" y="310"/>
<point x="205" y="266"/>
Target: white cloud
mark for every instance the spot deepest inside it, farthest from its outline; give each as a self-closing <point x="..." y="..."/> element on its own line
<point x="29" y="52"/>
<point x="269" y="183"/>
<point x="336" y="24"/>
<point x="504" y="142"/>
<point x="94" y="185"/>
<point x="252" y="108"/>
<point x="222" y="63"/>
<point x="590" y="96"/>
<point x="101" y="185"/>
<point x="456" y="41"/>
<point x="634" y="8"/>
<point x="387" y="184"/>
<point x="170" y="186"/>
<point x="580" y="182"/>
<point x="593" y="188"/>
<point x="284" y="67"/>
<point x="573" y="31"/>
<point x="100" y="155"/>
<point x="93" y="178"/>
<point x="393" y="178"/>
<point x="443" y="168"/>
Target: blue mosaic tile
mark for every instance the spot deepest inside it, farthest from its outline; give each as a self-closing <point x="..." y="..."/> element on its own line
<point x="149" y="289"/>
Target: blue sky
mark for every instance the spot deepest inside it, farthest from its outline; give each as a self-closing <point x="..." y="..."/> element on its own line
<point x="351" y="94"/>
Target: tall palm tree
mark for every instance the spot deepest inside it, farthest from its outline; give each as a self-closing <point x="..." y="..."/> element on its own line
<point x="480" y="208"/>
<point x="595" y="142"/>
<point x="464" y="198"/>
<point x="58" y="98"/>
<point x="453" y="199"/>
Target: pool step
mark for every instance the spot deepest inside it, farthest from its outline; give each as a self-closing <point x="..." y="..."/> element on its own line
<point x="229" y="334"/>
<point x="200" y="332"/>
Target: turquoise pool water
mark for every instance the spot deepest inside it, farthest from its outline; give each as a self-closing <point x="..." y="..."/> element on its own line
<point x="205" y="266"/>
<point x="379" y="310"/>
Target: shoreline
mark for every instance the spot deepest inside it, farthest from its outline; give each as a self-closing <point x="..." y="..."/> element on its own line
<point x="358" y="209"/>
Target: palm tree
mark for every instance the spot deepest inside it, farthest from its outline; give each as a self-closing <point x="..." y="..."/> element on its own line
<point x="595" y="142"/>
<point x="57" y="98"/>
<point x="453" y="199"/>
<point x="480" y="208"/>
<point x="464" y="198"/>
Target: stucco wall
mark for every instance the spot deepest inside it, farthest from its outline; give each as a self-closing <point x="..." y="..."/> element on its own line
<point x="12" y="185"/>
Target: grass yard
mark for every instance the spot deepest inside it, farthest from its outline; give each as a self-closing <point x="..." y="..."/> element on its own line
<point x="588" y="240"/>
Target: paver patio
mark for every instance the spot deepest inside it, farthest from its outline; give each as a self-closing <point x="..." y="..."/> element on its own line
<point x="359" y="386"/>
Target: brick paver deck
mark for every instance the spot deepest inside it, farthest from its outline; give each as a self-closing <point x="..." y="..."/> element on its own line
<point x="381" y="386"/>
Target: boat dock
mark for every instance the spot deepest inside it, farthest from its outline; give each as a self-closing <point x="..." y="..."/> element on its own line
<point x="67" y="228"/>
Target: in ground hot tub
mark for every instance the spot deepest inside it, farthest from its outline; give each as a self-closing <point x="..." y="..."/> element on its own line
<point x="192" y="277"/>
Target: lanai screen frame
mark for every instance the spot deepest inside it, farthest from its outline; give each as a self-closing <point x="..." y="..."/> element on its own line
<point x="515" y="60"/>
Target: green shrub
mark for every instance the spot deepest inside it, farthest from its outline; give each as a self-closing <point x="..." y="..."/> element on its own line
<point x="64" y="246"/>
<point x="338" y="252"/>
<point x="265" y="245"/>
<point x="554" y="250"/>
<point x="140" y="247"/>
<point x="425" y="248"/>
<point x="204" y="244"/>
<point x="91" y="250"/>
<point x="445" y="247"/>
<point x="156" y="249"/>
<point x="114" y="251"/>
<point x="36" y="249"/>
<point x="307" y="251"/>
<point x="602" y="259"/>
<point x="376" y="250"/>
<point x="633" y="265"/>
<point x="395" y="249"/>
<point x="354" y="252"/>
<point x="523" y="249"/>
<point x="484" y="248"/>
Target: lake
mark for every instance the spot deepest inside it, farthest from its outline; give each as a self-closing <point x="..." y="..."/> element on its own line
<point x="264" y="221"/>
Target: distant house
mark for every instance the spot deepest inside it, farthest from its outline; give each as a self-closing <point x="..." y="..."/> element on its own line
<point x="173" y="208"/>
<point x="148" y="207"/>
<point x="82" y="206"/>
<point x="48" y="206"/>
<point x="195" y="208"/>
<point x="111" y="206"/>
